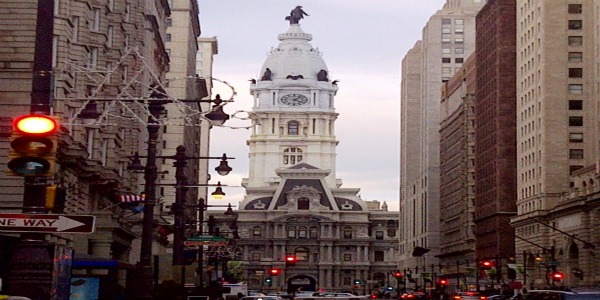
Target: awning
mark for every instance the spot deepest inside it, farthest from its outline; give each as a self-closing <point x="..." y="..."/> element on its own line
<point x="86" y="261"/>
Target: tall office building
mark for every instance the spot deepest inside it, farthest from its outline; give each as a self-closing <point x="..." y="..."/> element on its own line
<point x="557" y="134"/>
<point x="457" y="177"/>
<point x="448" y="38"/>
<point x="495" y="120"/>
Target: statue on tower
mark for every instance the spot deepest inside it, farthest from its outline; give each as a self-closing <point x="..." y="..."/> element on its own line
<point x="296" y="14"/>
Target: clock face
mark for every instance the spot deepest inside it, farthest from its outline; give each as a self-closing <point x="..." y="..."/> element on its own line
<point x="294" y="99"/>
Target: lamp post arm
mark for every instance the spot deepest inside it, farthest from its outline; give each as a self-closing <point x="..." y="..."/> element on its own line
<point x="586" y="244"/>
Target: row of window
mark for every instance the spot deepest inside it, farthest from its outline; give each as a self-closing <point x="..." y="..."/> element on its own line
<point x="302" y="254"/>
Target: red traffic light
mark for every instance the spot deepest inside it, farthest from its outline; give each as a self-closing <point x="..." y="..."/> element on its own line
<point x="35" y="125"/>
<point x="443" y="282"/>
<point x="558" y="276"/>
<point x="290" y="259"/>
<point x="398" y="274"/>
<point x="33" y="143"/>
<point x="486" y="264"/>
<point x="274" y="272"/>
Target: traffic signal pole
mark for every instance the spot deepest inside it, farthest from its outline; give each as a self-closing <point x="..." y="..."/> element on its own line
<point x="33" y="253"/>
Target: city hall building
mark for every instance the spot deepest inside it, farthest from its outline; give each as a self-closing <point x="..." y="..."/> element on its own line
<point x="294" y="203"/>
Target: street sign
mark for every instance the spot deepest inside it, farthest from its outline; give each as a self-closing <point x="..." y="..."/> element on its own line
<point x="206" y="240"/>
<point x="47" y="223"/>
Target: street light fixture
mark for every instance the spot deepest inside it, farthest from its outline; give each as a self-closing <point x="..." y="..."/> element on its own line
<point x="156" y="102"/>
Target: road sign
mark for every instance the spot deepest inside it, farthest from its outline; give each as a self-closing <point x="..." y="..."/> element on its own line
<point x="206" y="240"/>
<point x="47" y="223"/>
<point x="204" y="243"/>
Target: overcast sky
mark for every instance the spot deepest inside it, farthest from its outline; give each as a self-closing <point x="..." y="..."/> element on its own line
<point x="363" y="43"/>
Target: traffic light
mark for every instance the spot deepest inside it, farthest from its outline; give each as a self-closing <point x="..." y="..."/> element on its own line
<point x="442" y="282"/>
<point x="269" y="281"/>
<point x="357" y="282"/>
<point x="290" y="260"/>
<point x="557" y="276"/>
<point x="486" y="264"/>
<point x="398" y="274"/>
<point x="274" y="272"/>
<point x="33" y="144"/>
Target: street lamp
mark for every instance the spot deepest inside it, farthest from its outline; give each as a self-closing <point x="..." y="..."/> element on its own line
<point x="158" y="99"/>
<point x="181" y="186"/>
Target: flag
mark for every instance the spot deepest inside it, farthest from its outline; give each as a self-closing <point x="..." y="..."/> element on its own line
<point x="131" y="198"/>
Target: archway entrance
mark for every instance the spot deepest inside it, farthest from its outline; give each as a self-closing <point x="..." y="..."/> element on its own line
<point x="301" y="283"/>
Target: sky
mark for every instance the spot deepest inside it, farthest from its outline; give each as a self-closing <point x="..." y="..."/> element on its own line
<point x="363" y="43"/>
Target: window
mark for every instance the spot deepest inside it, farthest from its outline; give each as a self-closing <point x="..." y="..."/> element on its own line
<point x="293" y="128"/>
<point x="378" y="256"/>
<point x="256" y="256"/>
<point x="446" y="70"/>
<point x="459" y="22"/>
<point x="575" y="121"/>
<point x="575" y="56"/>
<point x="111" y="5"/>
<point x="445" y="30"/>
<point x="446" y="60"/>
<point x="109" y="35"/>
<point x="292" y="156"/>
<point x="445" y="79"/>
<point x="379" y="235"/>
<point x="292" y="232"/>
<point x="459" y="50"/>
<point x="168" y="37"/>
<point x="314" y="232"/>
<point x="575" y="72"/>
<point x="575" y="105"/>
<point x="127" y="16"/>
<point x="459" y="40"/>
<point x="95" y="21"/>
<point x="347" y="257"/>
<point x="576" y="137"/>
<point x="574" y="168"/>
<point x="575" y="40"/>
<point x="575" y="8"/>
<point x="347" y="232"/>
<point x="459" y="30"/>
<point x="302" y="233"/>
<point x="303" y="204"/>
<point x="169" y="22"/>
<point x="446" y="22"/>
<point x="575" y="24"/>
<point x="459" y="60"/>
<point x="301" y="254"/>
<point x="257" y="231"/>
<point x="576" y="153"/>
<point x="93" y="57"/>
<point x="75" y="36"/>
<point x="576" y="89"/>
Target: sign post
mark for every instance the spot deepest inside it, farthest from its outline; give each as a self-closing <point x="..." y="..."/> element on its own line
<point x="47" y="223"/>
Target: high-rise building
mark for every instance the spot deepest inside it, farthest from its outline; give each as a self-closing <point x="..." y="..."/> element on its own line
<point x="448" y="38"/>
<point x="495" y="141"/>
<point x="457" y="177"/>
<point x="105" y="57"/>
<point x="557" y="136"/>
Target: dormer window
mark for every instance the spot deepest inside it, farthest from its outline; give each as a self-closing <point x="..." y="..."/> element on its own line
<point x="303" y="204"/>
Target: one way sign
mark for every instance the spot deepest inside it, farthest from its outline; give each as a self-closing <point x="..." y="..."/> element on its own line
<point x="47" y="223"/>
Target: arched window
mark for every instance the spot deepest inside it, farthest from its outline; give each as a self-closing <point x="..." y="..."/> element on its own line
<point x="292" y="156"/>
<point x="293" y="128"/>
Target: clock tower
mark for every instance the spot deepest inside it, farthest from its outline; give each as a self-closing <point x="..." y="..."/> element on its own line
<point x="293" y="113"/>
